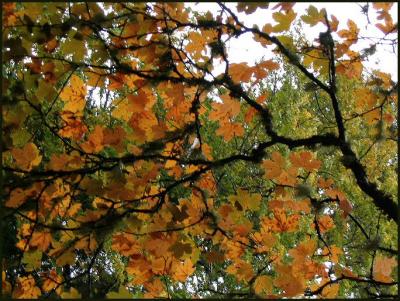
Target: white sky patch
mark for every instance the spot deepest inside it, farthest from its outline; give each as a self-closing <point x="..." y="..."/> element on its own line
<point x="245" y="49"/>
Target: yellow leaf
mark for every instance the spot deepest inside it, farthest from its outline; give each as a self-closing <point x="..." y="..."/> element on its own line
<point x="71" y="294"/>
<point x="314" y="16"/>
<point x="284" y="20"/>
<point x="246" y="200"/>
<point x="74" y="95"/>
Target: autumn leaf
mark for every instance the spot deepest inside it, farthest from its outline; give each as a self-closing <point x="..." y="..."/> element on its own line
<point x="182" y="270"/>
<point x="330" y="291"/>
<point x="41" y="240"/>
<point x="275" y="166"/>
<point x="27" y="157"/>
<point x="242" y="270"/>
<point x="263" y="285"/>
<point x="287" y="281"/>
<point x="74" y="95"/>
<point x="26" y="288"/>
<point x="284" y="20"/>
<point x="383" y="267"/>
<point x="53" y="280"/>
<point x="249" y="8"/>
<point x="142" y="156"/>
<point x="126" y="244"/>
<point x="325" y="223"/>
<point x="73" y="126"/>
<point x="94" y="144"/>
<point x="230" y="130"/>
<point x="281" y="222"/>
<point x="314" y="16"/>
<point x="304" y="160"/>
<point x="228" y="109"/>
<point x="247" y="200"/>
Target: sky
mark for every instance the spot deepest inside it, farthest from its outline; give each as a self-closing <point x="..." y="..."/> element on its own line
<point x="245" y="49"/>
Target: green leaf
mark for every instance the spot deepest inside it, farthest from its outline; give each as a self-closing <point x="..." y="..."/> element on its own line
<point x="32" y="259"/>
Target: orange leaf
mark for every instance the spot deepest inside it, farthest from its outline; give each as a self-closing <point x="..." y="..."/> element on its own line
<point x="325" y="223"/>
<point x="26" y="288"/>
<point x="229" y="130"/>
<point x="181" y="271"/>
<point x="242" y="270"/>
<point x="304" y="160"/>
<point x="274" y="167"/>
<point x="228" y="109"/>
<point x="263" y="285"/>
<point x="95" y="141"/>
<point x="330" y="291"/>
<point x="41" y="240"/>
<point x="27" y="156"/>
<point x="383" y="267"/>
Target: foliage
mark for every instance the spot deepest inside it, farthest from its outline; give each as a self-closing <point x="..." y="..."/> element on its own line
<point x="133" y="168"/>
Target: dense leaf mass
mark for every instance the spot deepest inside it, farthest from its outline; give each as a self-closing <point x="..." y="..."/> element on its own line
<point x="140" y="160"/>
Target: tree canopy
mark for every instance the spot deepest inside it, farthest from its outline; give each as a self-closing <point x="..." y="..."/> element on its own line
<point x="140" y="161"/>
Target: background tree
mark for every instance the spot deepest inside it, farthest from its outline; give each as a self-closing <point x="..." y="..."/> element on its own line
<point x="132" y="167"/>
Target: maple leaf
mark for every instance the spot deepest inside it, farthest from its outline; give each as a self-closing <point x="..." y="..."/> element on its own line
<point x="230" y="130"/>
<point x="95" y="141"/>
<point x="303" y="250"/>
<point x="240" y="72"/>
<point x="383" y="267"/>
<point x="284" y="20"/>
<point x="228" y="109"/>
<point x="154" y="288"/>
<point x="26" y="288"/>
<point x="263" y="285"/>
<point x="126" y="244"/>
<point x="281" y="222"/>
<point x="26" y="157"/>
<point x="74" y="95"/>
<point x="325" y="223"/>
<point x="275" y="166"/>
<point x="87" y="243"/>
<point x="242" y="270"/>
<point x="247" y="200"/>
<point x="304" y="160"/>
<point x="19" y="196"/>
<point x="287" y="281"/>
<point x="314" y="16"/>
<point x="41" y="240"/>
<point x="182" y="270"/>
<point x="330" y="291"/>
<point x="53" y="280"/>
<point x="73" y="126"/>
